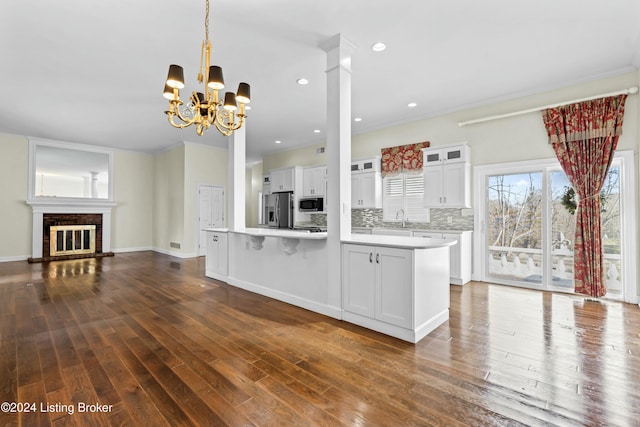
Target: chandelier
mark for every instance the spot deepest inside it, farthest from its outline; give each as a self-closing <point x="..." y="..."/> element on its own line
<point x="205" y="109"/>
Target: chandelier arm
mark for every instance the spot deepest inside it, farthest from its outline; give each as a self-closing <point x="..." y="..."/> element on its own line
<point x="174" y="124"/>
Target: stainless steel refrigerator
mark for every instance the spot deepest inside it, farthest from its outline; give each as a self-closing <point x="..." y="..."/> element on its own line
<point x="279" y="209"/>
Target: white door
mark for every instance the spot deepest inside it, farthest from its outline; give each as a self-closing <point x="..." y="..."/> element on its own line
<point x="394" y="286"/>
<point x="358" y="279"/>
<point x="453" y="191"/>
<point x="210" y="212"/>
<point x="432" y="186"/>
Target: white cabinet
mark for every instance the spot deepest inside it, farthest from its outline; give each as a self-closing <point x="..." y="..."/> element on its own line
<point x="366" y="190"/>
<point x="217" y="255"/>
<point x="366" y="165"/>
<point x="447" y="177"/>
<point x="366" y="183"/>
<point x="282" y="179"/>
<point x="460" y="261"/>
<point x="447" y="154"/>
<point x="314" y="181"/>
<point x="266" y="185"/>
<point x="378" y="283"/>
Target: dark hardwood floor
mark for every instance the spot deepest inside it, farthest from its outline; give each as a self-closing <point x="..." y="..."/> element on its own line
<point x="155" y="343"/>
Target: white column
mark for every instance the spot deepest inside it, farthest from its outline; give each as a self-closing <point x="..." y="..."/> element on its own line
<point x="338" y="154"/>
<point x="94" y="185"/>
<point x="237" y="177"/>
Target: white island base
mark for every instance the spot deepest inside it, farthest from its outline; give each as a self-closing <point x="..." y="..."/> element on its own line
<point x="398" y="286"/>
<point x="399" y="291"/>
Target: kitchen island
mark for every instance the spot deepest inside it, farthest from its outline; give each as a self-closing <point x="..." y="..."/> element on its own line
<point x="395" y="285"/>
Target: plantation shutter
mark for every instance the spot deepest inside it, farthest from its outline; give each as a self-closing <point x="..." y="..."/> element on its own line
<point x="403" y="191"/>
<point x="392" y="196"/>
<point x="414" y="197"/>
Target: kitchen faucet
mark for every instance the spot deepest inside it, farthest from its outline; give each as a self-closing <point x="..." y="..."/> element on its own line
<point x="404" y="219"/>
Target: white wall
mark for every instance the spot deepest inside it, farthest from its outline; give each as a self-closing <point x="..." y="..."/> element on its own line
<point x="132" y="218"/>
<point x="15" y="214"/>
<point x="203" y="165"/>
<point x="168" y="211"/>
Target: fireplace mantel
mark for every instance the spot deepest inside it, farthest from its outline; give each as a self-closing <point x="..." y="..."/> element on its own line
<point x="51" y="205"/>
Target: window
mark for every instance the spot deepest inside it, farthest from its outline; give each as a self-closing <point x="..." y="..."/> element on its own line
<point x="403" y="192"/>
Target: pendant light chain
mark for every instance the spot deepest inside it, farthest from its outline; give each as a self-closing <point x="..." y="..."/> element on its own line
<point x="205" y="45"/>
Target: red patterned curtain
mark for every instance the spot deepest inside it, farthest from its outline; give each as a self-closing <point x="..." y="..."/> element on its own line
<point x="584" y="137"/>
<point x="403" y="158"/>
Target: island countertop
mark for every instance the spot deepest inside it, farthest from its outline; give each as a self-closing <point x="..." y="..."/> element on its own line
<point x="275" y="232"/>
<point x="398" y="241"/>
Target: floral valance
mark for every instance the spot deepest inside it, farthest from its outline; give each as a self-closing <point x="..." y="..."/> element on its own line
<point x="403" y="158"/>
<point x="598" y="118"/>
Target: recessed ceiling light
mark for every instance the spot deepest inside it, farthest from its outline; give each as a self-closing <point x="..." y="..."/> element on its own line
<point x="357" y="119"/>
<point x="316" y="131"/>
<point x="378" y="47"/>
<point x="278" y="142"/>
<point x="411" y="104"/>
<point x="302" y="81"/>
<point x="247" y="107"/>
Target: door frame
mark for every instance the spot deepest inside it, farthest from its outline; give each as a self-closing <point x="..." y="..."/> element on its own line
<point x="628" y="211"/>
<point x="198" y="249"/>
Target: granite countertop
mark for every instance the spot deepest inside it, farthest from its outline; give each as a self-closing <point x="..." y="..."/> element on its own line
<point x="279" y="232"/>
<point x="412" y="229"/>
<point x="398" y="241"/>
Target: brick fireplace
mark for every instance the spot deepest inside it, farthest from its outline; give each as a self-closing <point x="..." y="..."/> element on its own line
<point x="50" y="219"/>
<point x="53" y="213"/>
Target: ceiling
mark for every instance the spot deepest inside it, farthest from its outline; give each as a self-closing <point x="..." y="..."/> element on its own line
<point x="92" y="72"/>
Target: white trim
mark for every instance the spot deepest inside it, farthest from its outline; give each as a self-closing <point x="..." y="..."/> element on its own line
<point x="134" y="249"/>
<point x="629" y="243"/>
<point x="14" y="258"/>
<point x="628" y="213"/>
<point x="174" y="253"/>
<point x="40" y="208"/>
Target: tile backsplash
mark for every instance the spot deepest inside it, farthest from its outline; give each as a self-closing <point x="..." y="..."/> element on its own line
<point x="461" y="219"/>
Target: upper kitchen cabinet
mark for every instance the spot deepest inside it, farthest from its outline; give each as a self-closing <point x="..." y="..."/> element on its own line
<point x="366" y="184"/>
<point x="314" y="181"/>
<point x="447" y="177"/>
<point x="282" y="179"/>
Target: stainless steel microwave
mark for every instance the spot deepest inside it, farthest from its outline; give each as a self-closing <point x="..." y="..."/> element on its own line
<point x="311" y="204"/>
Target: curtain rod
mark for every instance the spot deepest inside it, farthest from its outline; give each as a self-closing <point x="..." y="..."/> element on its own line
<point x="629" y="91"/>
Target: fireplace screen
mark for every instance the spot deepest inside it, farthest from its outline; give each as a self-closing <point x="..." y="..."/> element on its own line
<point x="72" y="239"/>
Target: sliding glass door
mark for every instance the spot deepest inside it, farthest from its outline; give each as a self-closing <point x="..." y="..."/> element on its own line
<point x="528" y="226"/>
<point x="514" y="228"/>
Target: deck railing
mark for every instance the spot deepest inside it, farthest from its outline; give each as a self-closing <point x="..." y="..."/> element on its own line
<point x="524" y="264"/>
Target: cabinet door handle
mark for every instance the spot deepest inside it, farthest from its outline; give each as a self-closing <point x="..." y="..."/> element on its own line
<point x="370" y="257"/>
<point x="377" y="258"/>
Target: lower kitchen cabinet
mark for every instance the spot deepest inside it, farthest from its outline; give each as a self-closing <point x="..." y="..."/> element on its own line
<point x="217" y="255"/>
<point x="378" y="283"/>
<point x="396" y="290"/>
